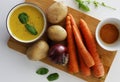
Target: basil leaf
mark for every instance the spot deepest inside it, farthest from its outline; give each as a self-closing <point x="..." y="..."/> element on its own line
<point x="83" y="6"/>
<point x="53" y="76"/>
<point x="31" y="29"/>
<point x="23" y="18"/>
<point x="42" y="71"/>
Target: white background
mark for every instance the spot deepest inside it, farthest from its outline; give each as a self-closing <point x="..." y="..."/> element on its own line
<point x="16" y="67"/>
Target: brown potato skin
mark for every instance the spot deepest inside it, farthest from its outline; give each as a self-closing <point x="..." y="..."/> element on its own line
<point x="57" y="12"/>
<point x="56" y="33"/>
<point x="38" y="51"/>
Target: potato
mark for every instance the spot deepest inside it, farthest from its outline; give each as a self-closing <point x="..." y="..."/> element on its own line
<point x="38" y="51"/>
<point x="57" y="12"/>
<point x="56" y="33"/>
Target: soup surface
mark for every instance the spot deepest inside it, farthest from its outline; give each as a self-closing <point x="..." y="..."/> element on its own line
<point x="35" y="19"/>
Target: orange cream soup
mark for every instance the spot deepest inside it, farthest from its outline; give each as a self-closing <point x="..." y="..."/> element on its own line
<point x="35" y="18"/>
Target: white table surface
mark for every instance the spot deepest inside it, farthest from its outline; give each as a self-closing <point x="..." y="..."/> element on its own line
<point x="16" y="67"/>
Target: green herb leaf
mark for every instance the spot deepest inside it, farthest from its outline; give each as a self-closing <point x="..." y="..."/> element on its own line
<point x="31" y="29"/>
<point x="88" y="1"/>
<point x="83" y="6"/>
<point x="78" y="1"/>
<point x="53" y="76"/>
<point x="42" y="71"/>
<point x="23" y="18"/>
<point x="96" y="3"/>
<point x="103" y="4"/>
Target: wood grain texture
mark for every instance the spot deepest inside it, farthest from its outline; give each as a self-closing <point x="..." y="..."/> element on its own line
<point x="106" y="56"/>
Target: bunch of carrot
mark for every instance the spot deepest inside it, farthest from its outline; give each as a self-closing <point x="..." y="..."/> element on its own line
<point x="83" y="55"/>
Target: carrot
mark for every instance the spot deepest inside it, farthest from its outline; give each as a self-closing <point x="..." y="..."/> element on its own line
<point x="72" y="20"/>
<point x="98" y="68"/>
<point x="80" y="45"/>
<point x="85" y="70"/>
<point x="73" y="63"/>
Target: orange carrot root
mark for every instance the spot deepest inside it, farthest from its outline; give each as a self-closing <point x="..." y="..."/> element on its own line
<point x="73" y="63"/>
<point x="98" y="68"/>
<point x="85" y="70"/>
<point x="81" y="47"/>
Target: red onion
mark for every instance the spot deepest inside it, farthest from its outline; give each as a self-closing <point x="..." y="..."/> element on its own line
<point x="58" y="54"/>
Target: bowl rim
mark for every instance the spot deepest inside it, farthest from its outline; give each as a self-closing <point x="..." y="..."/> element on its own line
<point x="113" y="46"/>
<point x="17" y="6"/>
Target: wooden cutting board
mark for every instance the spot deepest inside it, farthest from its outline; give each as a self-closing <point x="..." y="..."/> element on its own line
<point x="106" y="56"/>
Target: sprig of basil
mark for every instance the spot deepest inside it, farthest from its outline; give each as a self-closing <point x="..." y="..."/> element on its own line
<point x="24" y="18"/>
<point x="83" y="4"/>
